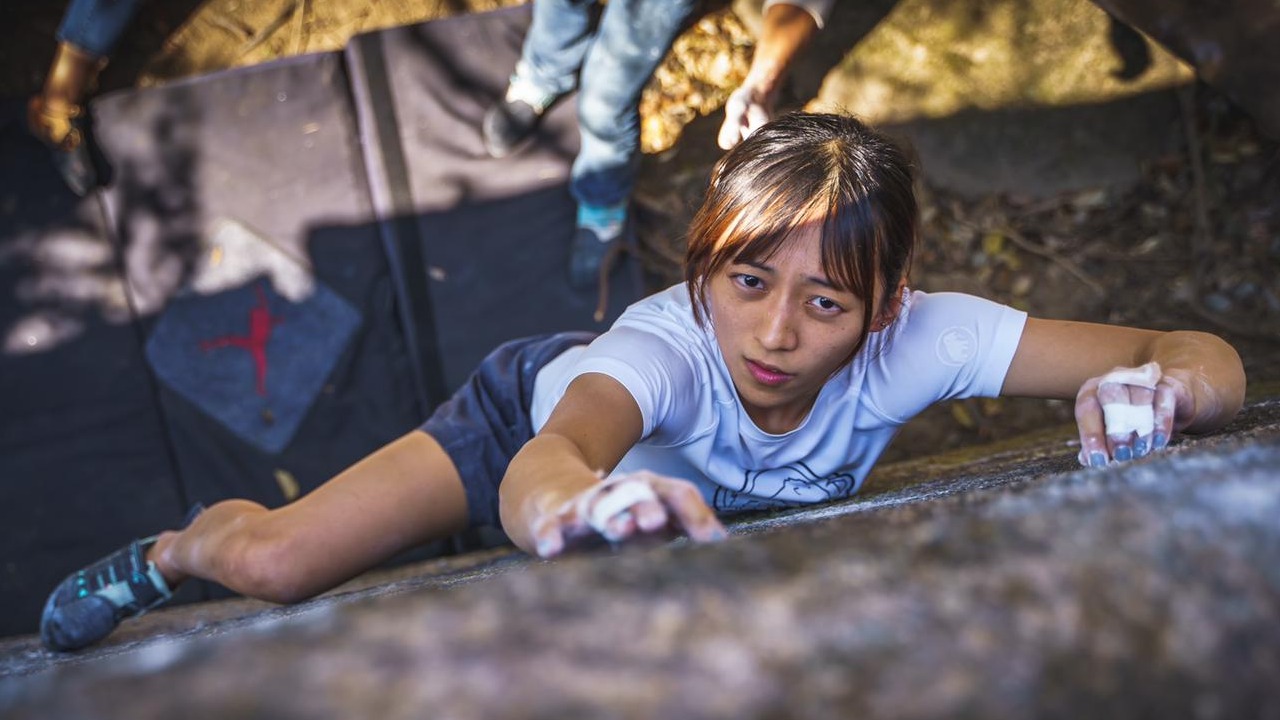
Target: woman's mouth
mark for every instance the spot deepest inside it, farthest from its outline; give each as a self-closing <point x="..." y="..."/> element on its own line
<point x="766" y="374"/>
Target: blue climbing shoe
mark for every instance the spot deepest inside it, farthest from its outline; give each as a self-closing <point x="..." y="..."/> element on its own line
<point x="602" y="232"/>
<point x="90" y="603"/>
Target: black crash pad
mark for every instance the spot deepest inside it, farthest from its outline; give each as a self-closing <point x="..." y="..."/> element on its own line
<point x="80" y="430"/>
<point x="493" y="234"/>
<point x="297" y="260"/>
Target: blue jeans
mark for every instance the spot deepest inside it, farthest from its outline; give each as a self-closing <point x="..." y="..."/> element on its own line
<point x="610" y="64"/>
<point x="95" y="26"/>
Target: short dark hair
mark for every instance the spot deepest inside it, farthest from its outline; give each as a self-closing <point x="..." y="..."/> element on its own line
<point x="800" y="166"/>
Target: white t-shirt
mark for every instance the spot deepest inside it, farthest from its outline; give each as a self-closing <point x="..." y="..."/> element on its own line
<point x="941" y="346"/>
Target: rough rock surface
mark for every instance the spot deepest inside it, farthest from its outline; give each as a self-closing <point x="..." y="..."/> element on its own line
<point x="994" y="582"/>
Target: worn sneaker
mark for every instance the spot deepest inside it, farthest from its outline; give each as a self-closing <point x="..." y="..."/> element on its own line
<point x="90" y="603"/>
<point x="599" y="237"/>
<point x="514" y="118"/>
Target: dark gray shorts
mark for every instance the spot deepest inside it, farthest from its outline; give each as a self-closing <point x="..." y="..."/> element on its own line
<point x="487" y="420"/>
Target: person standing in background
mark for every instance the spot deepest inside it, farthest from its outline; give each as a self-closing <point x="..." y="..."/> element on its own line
<point x="88" y="34"/>
<point x="610" y="60"/>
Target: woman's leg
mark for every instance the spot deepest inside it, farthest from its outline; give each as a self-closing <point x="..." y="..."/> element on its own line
<point x="407" y="493"/>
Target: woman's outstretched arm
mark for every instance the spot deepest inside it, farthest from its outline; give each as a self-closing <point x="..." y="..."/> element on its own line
<point x="1134" y="389"/>
<point x="553" y="491"/>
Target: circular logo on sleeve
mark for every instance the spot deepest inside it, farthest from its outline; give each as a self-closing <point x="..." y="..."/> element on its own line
<point x="956" y="346"/>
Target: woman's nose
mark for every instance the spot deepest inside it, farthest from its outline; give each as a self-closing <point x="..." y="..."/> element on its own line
<point x="777" y="328"/>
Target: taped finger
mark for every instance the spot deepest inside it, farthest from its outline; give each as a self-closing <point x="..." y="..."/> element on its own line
<point x="1125" y="422"/>
<point x="614" y="499"/>
<point x="1145" y="376"/>
<point x="1143" y="397"/>
<point x="1114" y="399"/>
<point x="1123" y="419"/>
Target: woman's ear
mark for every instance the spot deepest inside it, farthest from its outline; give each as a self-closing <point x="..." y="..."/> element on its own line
<point x="892" y="306"/>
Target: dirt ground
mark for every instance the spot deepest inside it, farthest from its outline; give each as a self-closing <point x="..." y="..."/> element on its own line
<point x="1194" y="243"/>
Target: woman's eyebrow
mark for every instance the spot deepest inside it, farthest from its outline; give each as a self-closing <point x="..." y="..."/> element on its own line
<point x="823" y="282"/>
<point x="816" y="280"/>
<point x="757" y="265"/>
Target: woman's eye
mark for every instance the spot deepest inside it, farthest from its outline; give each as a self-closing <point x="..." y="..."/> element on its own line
<point x="750" y="281"/>
<point x="825" y="304"/>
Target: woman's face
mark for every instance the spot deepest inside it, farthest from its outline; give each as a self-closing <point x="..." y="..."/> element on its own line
<point x="783" y="329"/>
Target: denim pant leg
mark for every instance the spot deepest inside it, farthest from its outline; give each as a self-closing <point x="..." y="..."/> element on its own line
<point x="95" y="26"/>
<point x="633" y="38"/>
<point x="556" y="43"/>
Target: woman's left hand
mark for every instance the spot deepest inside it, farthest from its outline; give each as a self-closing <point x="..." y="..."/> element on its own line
<point x="1129" y="412"/>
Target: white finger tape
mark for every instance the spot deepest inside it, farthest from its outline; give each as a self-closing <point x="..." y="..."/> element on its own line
<point x="1122" y="419"/>
<point x="612" y="499"/>
<point x="1144" y="376"/>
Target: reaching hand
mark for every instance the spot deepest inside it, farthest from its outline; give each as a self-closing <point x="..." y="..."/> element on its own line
<point x="622" y="507"/>
<point x="747" y="108"/>
<point x="1129" y="412"/>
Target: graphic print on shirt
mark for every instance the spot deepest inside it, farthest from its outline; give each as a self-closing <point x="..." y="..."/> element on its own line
<point x="787" y="486"/>
<point x="956" y="346"/>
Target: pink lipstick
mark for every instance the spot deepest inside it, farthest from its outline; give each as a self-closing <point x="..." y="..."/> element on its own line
<point x="766" y="375"/>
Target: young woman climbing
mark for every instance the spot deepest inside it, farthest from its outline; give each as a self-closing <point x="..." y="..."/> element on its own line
<point x="774" y="375"/>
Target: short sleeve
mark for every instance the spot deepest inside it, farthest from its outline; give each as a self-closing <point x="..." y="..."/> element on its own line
<point x="656" y="372"/>
<point x="946" y="346"/>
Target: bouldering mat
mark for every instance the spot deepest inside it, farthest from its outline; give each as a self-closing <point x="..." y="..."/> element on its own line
<point x="297" y="261"/>
<point x="258" y="275"/>
<point x="492" y="234"/>
<point x="84" y="463"/>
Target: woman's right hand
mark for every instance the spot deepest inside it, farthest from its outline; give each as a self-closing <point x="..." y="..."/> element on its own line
<point x="620" y="508"/>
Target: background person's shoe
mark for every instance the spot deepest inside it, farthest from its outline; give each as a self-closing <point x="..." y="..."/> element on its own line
<point x="511" y="120"/>
<point x="506" y="125"/>
<point x="601" y="233"/>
